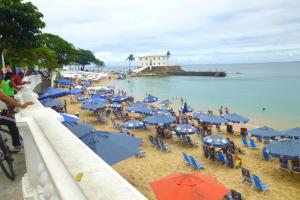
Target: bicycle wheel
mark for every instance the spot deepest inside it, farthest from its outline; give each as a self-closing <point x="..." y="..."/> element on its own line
<point x="7" y="168"/>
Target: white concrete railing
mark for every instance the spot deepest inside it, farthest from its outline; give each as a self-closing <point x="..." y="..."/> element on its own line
<point x="54" y="156"/>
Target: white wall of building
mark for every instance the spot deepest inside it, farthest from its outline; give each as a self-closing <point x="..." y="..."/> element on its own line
<point x="152" y="60"/>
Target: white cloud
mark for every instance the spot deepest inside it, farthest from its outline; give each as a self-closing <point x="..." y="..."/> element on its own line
<point x="194" y="30"/>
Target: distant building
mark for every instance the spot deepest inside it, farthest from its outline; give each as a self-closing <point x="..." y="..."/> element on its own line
<point x="152" y="61"/>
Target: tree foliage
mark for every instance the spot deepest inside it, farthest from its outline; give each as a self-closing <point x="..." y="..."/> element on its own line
<point x="20" y="25"/>
<point x="65" y="51"/>
<point x="130" y="58"/>
<point x="85" y="57"/>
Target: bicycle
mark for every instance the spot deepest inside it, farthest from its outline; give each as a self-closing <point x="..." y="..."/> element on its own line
<point x="6" y="159"/>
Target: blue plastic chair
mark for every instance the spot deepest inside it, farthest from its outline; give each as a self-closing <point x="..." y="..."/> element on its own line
<point x="233" y="195"/>
<point x="186" y="158"/>
<point x="253" y="144"/>
<point x="195" y="163"/>
<point x="221" y="158"/>
<point x="266" y="155"/>
<point x="258" y="184"/>
<point x="245" y="143"/>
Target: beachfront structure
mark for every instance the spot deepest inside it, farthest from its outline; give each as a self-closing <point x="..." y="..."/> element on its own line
<point x="54" y="157"/>
<point x="152" y="61"/>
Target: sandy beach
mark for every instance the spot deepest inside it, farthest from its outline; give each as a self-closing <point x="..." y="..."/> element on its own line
<point x="141" y="171"/>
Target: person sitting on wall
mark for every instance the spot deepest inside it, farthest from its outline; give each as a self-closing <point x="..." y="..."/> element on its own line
<point x="18" y="79"/>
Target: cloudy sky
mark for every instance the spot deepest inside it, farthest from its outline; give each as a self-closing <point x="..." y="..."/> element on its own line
<point x="194" y="31"/>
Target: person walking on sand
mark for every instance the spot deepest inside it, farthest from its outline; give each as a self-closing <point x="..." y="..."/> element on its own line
<point x="226" y="110"/>
<point x="221" y="111"/>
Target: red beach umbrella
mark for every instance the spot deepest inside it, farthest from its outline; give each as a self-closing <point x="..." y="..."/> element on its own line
<point x="179" y="186"/>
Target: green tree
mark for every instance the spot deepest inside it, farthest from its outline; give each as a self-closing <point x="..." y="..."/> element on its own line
<point x="65" y="51"/>
<point x="20" y="25"/>
<point x="130" y="58"/>
<point x="100" y="65"/>
<point x="168" y="54"/>
<point x="84" y="57"/>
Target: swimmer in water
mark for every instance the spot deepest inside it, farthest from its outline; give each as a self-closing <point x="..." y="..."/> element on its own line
<point x="263" y="109"/>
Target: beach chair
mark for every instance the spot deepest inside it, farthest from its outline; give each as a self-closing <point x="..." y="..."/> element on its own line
<point x="164" y="147"/>
<point x="141" y="153"/>
<point x="230" y="162"/>
<point x="221" y="158"/>
<point x="252" y="144"/>
<point x="266" y="155"/>
<point x="284" y="164"/>
<point x="233" y="195"/>
<point x="258" y="184"/>
<point x="296" y="166"/>
<point x="246" y="175"/>
<point x="186" y="159"/>
<point x="157" y="144"/>
<point x="195" y="163"/>
<point x="245" y="142"/>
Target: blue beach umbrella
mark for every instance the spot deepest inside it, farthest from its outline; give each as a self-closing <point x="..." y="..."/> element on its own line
<point x="133" y="124"/>
<point x="288" y="149"/>
<point x="118" y="99"/>
<point x="185" y="129"/>
<point x="76" y="91"/>
<point x="69" y="118"/>
<point x="86" y="84"/>
<point x="79" y="129"/>
<point x="164" y="108"/>
<point x="141" y="108"/>
<point x="95" y="100"/>
<point x="92" y="105"/>
<point x="112" y="147"/>
<point x="216" y="141"/>
<point x="235" y="118"/>
<point x="292" y="133"/>
<point x="82" y="98"/>
<point x="162" y="112"/>
<point x="64" y="82"/>
<point x="115" y="106"/>
<point x="49" y="102"/>
<point x="211" y="119"/>
<point x="166" y="102"/>
<point x="102" y="96"/>
<point x="53" y="93"/>
<point x="160" y="119"/>
<point x="150" y="99"/>
<point x="265" y="132"/>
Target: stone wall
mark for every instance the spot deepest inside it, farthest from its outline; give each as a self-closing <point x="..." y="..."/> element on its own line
<point x="162" y="70"/>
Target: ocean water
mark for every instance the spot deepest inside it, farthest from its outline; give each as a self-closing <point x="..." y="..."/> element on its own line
<point x="246" y="90"/>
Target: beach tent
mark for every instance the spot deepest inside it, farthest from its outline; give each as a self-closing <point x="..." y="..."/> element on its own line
<point x="179" y="186"/>
<point x="64" y="82"/>
<point x="166" y="102"/>
<point x="79" y="129"/>
<point x="112" y="147"/>
<point x="160" y="119"/>
<point x="210" y="119"/>
<point x="288" y="149"/>
<point x="133" y="124"/>
<point x="292" y="133"/>
<point x="76" y="91"/>
<point x="235" y="118"/>
<point x="69" y="118"/>
<point x="50" y="102"/>
<point x="265" y="132"/>
<point x="53" y="93"/>
<point x="185" y="129"/>
<point x="216" y="141"/>
<point x="150" y="99"/>
<point x="141" y="108"/>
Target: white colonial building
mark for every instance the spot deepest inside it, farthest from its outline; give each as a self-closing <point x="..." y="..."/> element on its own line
<point x="152" y="61"/>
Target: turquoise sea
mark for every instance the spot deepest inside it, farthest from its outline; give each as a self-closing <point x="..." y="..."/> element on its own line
<point x="246" y="90"/>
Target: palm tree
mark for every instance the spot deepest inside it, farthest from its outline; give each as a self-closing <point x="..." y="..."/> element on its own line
<point x="168" y="55"/>
<point x="130" y="58"/>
